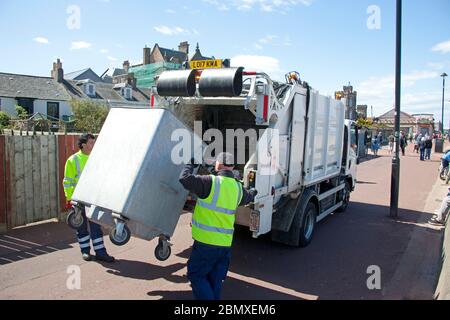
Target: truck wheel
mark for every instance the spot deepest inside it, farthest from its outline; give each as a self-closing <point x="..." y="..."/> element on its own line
<point x="308" y="225"/>
<point x="161" y="254"/>
<point x="346" y="197"/>
<point x="75" y="219"/>
<point x="120" y="240"/>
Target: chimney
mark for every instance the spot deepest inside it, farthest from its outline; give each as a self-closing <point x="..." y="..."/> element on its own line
<point x="184" y="47"/>
<point x="126" y="66"/>
<point x="147" y="54"/>
<point x="58" y="72"/>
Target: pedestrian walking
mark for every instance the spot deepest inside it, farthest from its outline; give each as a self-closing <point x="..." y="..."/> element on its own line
<point x="403" y="143"/>
<point x="375" y="146"/>
<point x="422" y="149"/>
<point x="391" y="143"/>
<point x="73" y="169"/>
<point x="213" y="225"/>
<point x="428" y="147"/>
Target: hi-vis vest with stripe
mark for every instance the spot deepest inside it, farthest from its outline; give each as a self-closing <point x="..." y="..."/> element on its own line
<point x="213" y="219"/>
<point x="74" y="166"/>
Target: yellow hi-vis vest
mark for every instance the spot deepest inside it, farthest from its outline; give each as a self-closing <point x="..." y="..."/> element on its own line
<point x="213" y="219"/>
<point x="72" y="172"/>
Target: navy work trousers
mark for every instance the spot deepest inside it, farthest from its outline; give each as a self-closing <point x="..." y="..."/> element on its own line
<point x="207" y="269"/>
<point x="95" y="234"/>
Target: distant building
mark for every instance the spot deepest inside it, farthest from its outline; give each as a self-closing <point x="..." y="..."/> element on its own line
<point x="351" y="99"/>
<point x="88" y="85"/>
<point x="361" y="111"/>
<point x="85" y="74"/>
<point x="407" y="122"/>
<point x="159" y="59"/>
<point x="425" y="124"/>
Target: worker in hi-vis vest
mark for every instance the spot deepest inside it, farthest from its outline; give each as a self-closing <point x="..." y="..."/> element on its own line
<point x="74" y="167"/>
<point x="213" y="224"/>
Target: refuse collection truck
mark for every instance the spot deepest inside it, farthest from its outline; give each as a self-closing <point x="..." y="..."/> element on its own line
<point x="304" y="162"/>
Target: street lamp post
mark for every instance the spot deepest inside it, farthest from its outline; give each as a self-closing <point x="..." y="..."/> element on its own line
<point x="443" y="100"/>
<point x="395" y="178"/>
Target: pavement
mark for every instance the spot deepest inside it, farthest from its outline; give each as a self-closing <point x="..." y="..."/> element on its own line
<point x="38" y="262"/>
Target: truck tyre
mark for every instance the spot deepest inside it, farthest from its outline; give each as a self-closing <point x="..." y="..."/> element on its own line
<point x="308" y="224"/>
<point x="346" y="197"/>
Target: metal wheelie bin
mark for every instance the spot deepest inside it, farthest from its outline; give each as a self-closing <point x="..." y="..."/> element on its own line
<point x="131" y="181"/>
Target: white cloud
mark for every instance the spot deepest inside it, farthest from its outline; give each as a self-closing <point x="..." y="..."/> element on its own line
<point x="104" y="51"/>
<point x="443" y="47"/>
<point x="273" y="40"/>
<point x="111" y="58"/>
<point x="263" y="5"/>
<point x="170" y="11"/>
<point x="380" y="93"/>
<point x="266" y="64"/>
<point x="41" y="40"/>
<point x="171" y="31"/>
<point x="77" y="45"/>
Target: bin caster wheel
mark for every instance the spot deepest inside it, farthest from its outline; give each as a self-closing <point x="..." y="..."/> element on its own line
<point x="75" y="219"/>
<point x="120" y="240"/>
<point x="162" y="251"/>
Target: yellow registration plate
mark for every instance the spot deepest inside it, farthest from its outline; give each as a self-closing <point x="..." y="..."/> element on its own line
<point x="206" y="64"/>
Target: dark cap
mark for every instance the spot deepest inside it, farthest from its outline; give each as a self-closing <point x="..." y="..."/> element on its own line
<point x="226" y="158"/>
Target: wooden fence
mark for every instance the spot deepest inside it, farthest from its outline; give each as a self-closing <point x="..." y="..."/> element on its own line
<point x="31" y="173"/>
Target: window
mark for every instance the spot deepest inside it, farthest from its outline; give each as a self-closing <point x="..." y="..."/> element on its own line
<point x="53" y="110"/>
<point x="27" y="104"/>
<point x="127" y="93"/>
<point x="90" y="89"/>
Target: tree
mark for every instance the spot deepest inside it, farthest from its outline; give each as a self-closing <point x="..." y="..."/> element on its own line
<point x="4" y="119"/>
<point x="89" y="116"/>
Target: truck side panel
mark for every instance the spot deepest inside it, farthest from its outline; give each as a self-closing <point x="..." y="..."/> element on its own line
<point x="324" y="139"/>
<point x="297" y="142"/>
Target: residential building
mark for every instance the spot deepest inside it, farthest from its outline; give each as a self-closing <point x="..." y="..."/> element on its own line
<point x="120" y="94"/>
<point x="36" y="94"/>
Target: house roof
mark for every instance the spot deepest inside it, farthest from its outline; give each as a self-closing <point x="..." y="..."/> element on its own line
<point x="105" y="91"/>
<point x="391" y="115"/>
<point x="24" y="86"/>
<point x="83" y="75"/>
<point x="168" y="54"/>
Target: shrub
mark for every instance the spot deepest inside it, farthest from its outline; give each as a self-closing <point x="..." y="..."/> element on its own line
<point x="89" y="116"/>
<point x="4" y="119"/>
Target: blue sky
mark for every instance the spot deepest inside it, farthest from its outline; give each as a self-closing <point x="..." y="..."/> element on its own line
<point x="328" y="41"/>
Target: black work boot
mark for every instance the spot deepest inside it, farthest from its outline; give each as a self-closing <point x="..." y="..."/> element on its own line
<point x="87" y="257"/>
<point x="104" y="257"/>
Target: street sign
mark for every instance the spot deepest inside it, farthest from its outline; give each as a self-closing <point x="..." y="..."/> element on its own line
<point x="206" y="64"/>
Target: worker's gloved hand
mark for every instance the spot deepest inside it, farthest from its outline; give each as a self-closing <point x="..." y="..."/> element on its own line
<point x="69" y="205"/>
<point x="196" y="165"/>
<point x="253" y="192"/>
